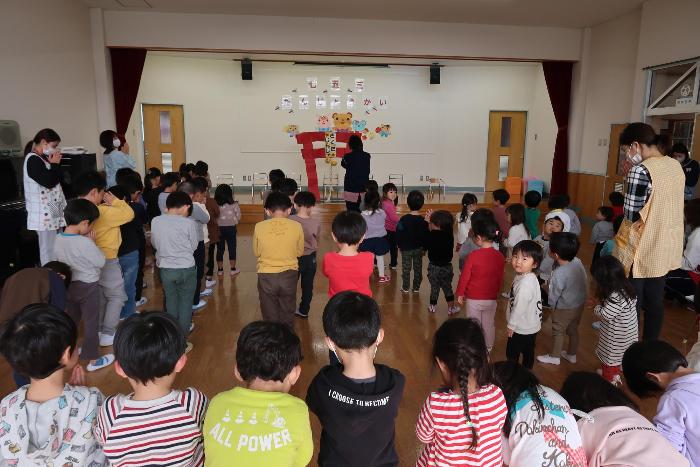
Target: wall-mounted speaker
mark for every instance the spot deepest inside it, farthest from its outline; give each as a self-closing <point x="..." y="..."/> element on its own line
<point x="10" y="141"/>
<point x="434" y="74"/>
<point x="246" y="69"/>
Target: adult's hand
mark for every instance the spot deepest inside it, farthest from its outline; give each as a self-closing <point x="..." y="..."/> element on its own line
<point x="55" y="158"/>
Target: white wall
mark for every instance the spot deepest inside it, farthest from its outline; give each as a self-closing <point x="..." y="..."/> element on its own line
<point x="438" y="130"/>
<point x="47" y="77"/>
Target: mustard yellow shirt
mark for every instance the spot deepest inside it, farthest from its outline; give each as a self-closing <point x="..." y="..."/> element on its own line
<point x="108" y="236"/>
<point x="278" y="243"/>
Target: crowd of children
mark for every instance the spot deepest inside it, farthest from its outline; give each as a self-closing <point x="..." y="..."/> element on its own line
<point x="484" y="413"/>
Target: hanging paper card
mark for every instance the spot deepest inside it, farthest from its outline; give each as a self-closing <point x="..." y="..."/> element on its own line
<point x="335" y="83"/>
<point x="367" y="103"/>
<point x="303" y="102"/>
<point x="350" y="102"/>
<point x="320" y="102"/>
<point x="383" y="103"/>
<point x="359" y="84"/>
<point x="286" y="102"/>
<point x="312" y="82"/>
<point x="335" y="102"/>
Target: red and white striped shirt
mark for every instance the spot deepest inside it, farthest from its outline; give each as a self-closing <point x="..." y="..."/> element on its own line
<point x="443" y="427"/>
<point x="164" y="432"/>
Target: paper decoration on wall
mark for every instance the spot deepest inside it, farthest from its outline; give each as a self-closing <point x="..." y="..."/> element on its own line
<point x="330" y="148"/>
<point x="312" y="83"/>
<point x="291" y="130"/>
<point x="350" y="102"/>
<point x="335" y="83"/>
<point x="383" y="103"/>
<point x="359" y="84"/>
<point x="323" y="123"/>
<point x="383" y="130"/>
<point x="334" y="102"/>
<point x="367" y="103"/>
<point x="286" y="102"/>
<point x="367" y="134"/>
<point x="359" y="125"/>
<point x="342" y="121"/>
<point x="320" y="101"/>
<point x="303" y="102"/>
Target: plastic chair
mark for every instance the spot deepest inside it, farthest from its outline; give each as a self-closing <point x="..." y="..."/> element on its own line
<point x="296" y="177"/>
<point x="331" y="181"/>
<point x="224" y="179"/>
<point x="258" y="179"/>
<point x="514" y="186"/>
<point x="397" y="179"/>
<point x="438" y="183"/>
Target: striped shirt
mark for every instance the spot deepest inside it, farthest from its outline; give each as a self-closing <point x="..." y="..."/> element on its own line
<point x="164" y="432"/>
<point x="443" y="427"/>
<point x="619" y="328"/>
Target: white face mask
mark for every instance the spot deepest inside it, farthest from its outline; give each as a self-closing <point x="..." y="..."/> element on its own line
<point x="49" y="151"/>
<point x="635" y="158"/>
<point x="116" y="142"/>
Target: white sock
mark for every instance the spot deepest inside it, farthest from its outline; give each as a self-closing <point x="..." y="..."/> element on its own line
<point x="380" y="265"/>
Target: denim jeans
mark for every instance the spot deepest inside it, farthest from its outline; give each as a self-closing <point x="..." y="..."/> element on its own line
<point x="130" y="269"/>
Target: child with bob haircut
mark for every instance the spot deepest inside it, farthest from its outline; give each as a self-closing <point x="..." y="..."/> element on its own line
<point x="259" y="423"/>
<point x="411" y="236"/>
<point x="461" y="423"/>
<point x="515" y="215"/>
<point x="229" y="217"/>
<point x="375" y="240"/>
<point x="532" y="212"/>
<point x="352" y="324"/>
<point x="440" y="250"/>
<point x="390" y="198"/>
<point x="655" y="368"/>
<point x="347" y="269"/>
<point x="47" y="422"/>
<point x="139" y="428"/>
<point x="500" y="198"/>
<point x="305" y="202"/>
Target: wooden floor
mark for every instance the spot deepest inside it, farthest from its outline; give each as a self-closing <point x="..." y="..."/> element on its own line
<point x="409" y="329"/>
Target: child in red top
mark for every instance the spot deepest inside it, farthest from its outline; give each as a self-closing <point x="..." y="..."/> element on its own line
<point x="482" y="277"/>
<point x="347" y="269"/>
<point x="389" y="202"/>
<point x="617" y="200"/>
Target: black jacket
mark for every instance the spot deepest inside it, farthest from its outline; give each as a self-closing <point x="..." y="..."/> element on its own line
<point x="357" y="418"/>
<point x="691" y="168"/>
<point x="411" y="232"/>
<point x="356" y="166"/>
<point x="440" y="247"/>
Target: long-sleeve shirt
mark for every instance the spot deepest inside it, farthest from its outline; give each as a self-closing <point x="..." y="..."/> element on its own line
<point x="532" y="219"/>
<point x="602" y="232"/>
<point x="229" y="214"/>
<point x="516" y="234"/>
<point x="463" y="227"/>
<point x="37" y="171"/>
<point x="278" y="243"/>
<point x="574" y="221"/>
<point x="175" y="240"/>
<point x="499" y="213"/>
<point x="412" y="232"/>
<point x="691" y="168"/>
<point x="568" y="286"/>
<point x="691" y="254"/>
<point x="440" y="247"/>
<point x="619" y="328"/>
<point x="114" y="161"/>
<point x="524" y="312"/>
<point x="201" y="217"/>
<point x="392" y="219"/>
<point x="482" y="275"/>
<point x="375" y="223"/>
<point x="108" y="235"/>
<point x="678" y="419"/>
<point x="81" y="254"/>
<point x="638" y="184"/>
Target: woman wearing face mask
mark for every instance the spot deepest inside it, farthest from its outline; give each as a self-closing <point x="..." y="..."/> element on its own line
<point x="650" y="239"/>
<point x="114" y="159"/>
<point x="690" y="167"/>
<point x="42" y="190"/>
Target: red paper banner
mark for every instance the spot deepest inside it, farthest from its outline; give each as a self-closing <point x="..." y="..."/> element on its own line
<point x="310" y="154"/>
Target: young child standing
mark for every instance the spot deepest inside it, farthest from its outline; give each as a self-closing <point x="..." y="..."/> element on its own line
<point x="352" y="324"/>
<point x="305" y="202"/>
<point x="602" y="230"/>
<point x="267" y="364"/>
<point x="76" y="248"/>
<point x="532" y="212"/>
<point x="469" y="245"/>
<point x="278" y="242"/>
<point x="462" y="422"/>
<point x="440" y="245"/>
<point x="347" y="269"/>
<point x="196" y="188"/>
<point x="229" y="217"/>
<point x="555" y="221"/>
<point x="656" y="368"/>
<point x="411" y="236"/>
<point x="141" y="428"/>
<point x="617" y="308"/>
<point x="47" y="422"/>
<point x="500" y="198"/>
<point x="213" y="233"/>
<point x="463" y="218"/>
<point x="482" y="277"/>
<point x="524" y="312"/>
<point x="389" y="201"/>
<point x="175" y="238"/>
<point x="562" y="202"/>
<point x="617" y="201"/>
<point x="168" y="183"/>
<point x="568" y="288"/>
<point x="515" y="215"/>
<point x="375" y="240"/>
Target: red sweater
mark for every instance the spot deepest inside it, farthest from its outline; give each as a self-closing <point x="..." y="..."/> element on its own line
<point x="482" y="275"/>
<point x="348" y="272"/>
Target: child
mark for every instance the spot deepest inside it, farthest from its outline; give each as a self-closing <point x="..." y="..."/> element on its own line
<point x="352" y="324"/>
<point x="551" y="433"/>
<point x="151" y="191"/>
<point x="305" y="202"/>
<point x="469" y="245"/>
<point x="683" y="282"/>
<point x="347" y="269"/>
<point x="609" y="245"/>
<point x="532" y="212"/>
<point x="602" y="230"/>
<point x="371" y="186"/>
<point x="461" y="423"/>
<point x="375" y="240"/>
<point x="440" y="248"/>
<point x="500" y="198"/>
<point x="656" y="368"/>
<point x="113" y="214"/>
<point x="175" y="238"/>
<point x="134" y="186"/>
<point x="196" y="188"/>
<point x="259" y="423"/>
<point x="464" y="223"/>
<point x="555" y="221"/>
<point x="389" y="201"/>
<point x="482" y="277"/>
<point x="213" y="233"/>
<point x="75" y="247"/>
<point x="568" y="288"/>
<point x="273" y="177"/>
<point x="288" y="187"/>
<point x="278" y="242"/>
<point x="613" y="433"/>
<point x="562" y="202"/>
<point x="411" y="236"/>
<point x="617" y="200"/>
<point x="524" y="312"/>
<point x="229" y="217"/>
<point x="515" y="215"/>
<point x="150" y="351"/>
<point x="47" y="422"/>
<point x="168" y="184"/>
<point x="617" y="308"/>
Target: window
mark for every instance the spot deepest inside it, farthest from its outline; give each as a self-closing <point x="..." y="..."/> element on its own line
<point x="673" y="89"/>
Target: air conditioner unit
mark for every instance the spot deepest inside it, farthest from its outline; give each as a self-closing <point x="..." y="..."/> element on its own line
<point x="10" y="140"/>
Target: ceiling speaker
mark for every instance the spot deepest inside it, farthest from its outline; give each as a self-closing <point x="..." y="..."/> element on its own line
<point x="246" y="69"/>
<point x="10" y="141"/>
<point x="434" y="74"/>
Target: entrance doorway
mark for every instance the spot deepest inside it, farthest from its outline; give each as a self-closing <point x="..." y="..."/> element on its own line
<point x="506" y="150"/>
<point x="163" y="136"/>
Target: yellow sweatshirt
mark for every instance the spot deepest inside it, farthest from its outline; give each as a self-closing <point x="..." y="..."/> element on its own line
<point x="278" y="243"/>
<point x="108" y="236"/>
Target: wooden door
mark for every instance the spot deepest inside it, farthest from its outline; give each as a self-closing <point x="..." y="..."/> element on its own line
<point x="506" y="150"/>
<point x="617" y="162"/>
<point x="163" y="136"/>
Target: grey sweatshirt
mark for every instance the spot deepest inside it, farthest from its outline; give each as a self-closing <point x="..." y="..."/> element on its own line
<point x="175" y="239"/>
<point x="602" y="231"/>
<point x="568" y="286"/>
<point x="81" y="254"/>
<point x="201" y="217"/>
<point x="524" y="312"/>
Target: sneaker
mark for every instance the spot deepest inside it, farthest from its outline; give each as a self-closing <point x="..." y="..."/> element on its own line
<point x="404" y="290"/>
<point x="199" y="306"/>
<point x="548" y="359"/>
<point x="384" y="279"/>
<point x="596" y="324"/>
<point x="568" y="358"/>
<point x="106" y="340"/>
<point x="235" y="272"/>
<point x="145" y="285"/>
<point x="191" y="326"/>
<point x="616" y="381"/>
<point x="220" y="272"/>
<point x="301" y="315"/>
<point x="141" y="302"/>
<point x="210" y="283"/>
<point x="189" y="347"/>
<point x="103" y="361"/>
<point x="393" y="268"/>
<point x="416" y="290"/>
<point x="505" y="295"/>
<point x="453" y="309"/>
<point x="206" y="292"/>
<point x="432" y="308"/>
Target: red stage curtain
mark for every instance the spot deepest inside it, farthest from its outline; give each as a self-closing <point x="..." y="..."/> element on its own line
<point x="127" y="65"/>
<point x="558" y="78"/>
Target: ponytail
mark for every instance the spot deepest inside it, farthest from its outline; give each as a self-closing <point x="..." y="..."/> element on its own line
<point x="467" y="199"/>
